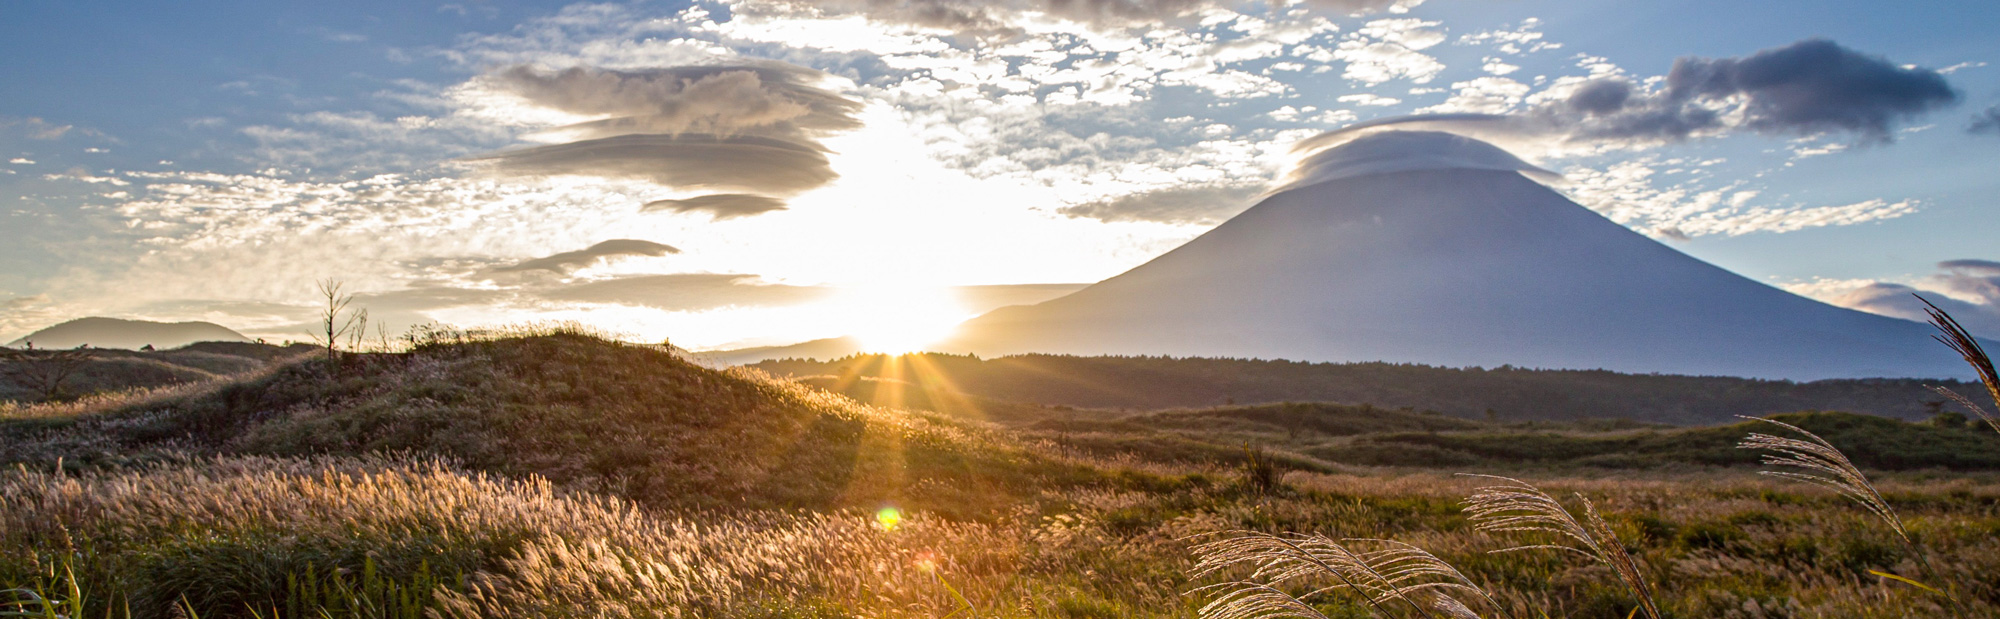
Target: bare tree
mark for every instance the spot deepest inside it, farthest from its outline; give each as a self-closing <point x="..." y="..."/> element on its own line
<point x="335" y="320"/>
<point x="45" y="372"/>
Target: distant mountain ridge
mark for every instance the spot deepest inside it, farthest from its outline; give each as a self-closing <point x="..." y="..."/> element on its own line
<point x="1509" y="393"/>
<point x="101" y="332"/>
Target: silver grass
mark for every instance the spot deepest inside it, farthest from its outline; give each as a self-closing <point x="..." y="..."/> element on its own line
<point x="1962" y="342"/>
<point x="1819" y="463"/>
<point x="1954" y="335"/>
<point x="1515" y="506"/>
<point x="1451" y="607"/>
<point x="1393" y="575"/>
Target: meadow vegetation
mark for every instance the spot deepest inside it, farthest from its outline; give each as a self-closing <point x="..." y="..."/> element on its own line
<point x="1505" y="393"/>
<point x="553" y="473"/>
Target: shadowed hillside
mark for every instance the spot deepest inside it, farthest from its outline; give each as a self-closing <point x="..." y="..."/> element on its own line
<point x="23" y="373"/>
<point x="1509" y="393"/>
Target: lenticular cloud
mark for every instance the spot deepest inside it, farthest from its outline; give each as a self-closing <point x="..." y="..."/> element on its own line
<point x="752" y="129"/>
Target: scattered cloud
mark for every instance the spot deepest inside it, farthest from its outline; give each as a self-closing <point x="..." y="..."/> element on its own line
<point x="1665" y="197"/>
<point x="1967" y="289"/>
<point x="1987" y="121"/>
<point x="719" y="206"/>
<point x="570" y="261"/>
<point x="1523" y="39"/>
<point x="35" y="128"/>
<point x="688" y="292"/>
<point x="1005" y="19"/>
<point x="1204" y="205"/>
<point x="1368" y="99"/>
<point x="1388" y="49"/>
<point x="24" y="314"/>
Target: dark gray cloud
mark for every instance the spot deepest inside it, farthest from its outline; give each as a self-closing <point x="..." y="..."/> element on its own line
<point x="719" y="206"/>
<point x="1974" y="268"/>
<point x="1180" y="205"/>
<point x="572" y="260"/>
<point x="1812" y="86"/>
<point x="749" y="127"/>
<point x="689" y="292"/>
<point x="995" y="18"/>
<point x="1601" y="96"/>
<point x="1986" y="122"/>
<point x="721" y="99"/>
<point x="739" y="163"/>
<point x="1809" y="87"/>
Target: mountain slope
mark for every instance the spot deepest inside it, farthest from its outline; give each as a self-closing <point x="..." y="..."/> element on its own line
<point x="1444" y="262"/>
<point x="100" y="332"/>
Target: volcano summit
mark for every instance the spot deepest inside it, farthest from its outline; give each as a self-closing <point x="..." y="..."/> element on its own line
<point x="1426" y="247"/>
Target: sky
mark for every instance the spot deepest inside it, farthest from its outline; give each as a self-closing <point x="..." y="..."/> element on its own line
<point x="761" y="172"/>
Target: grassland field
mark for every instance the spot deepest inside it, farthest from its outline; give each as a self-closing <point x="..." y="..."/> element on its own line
<point x="557" y="474"/>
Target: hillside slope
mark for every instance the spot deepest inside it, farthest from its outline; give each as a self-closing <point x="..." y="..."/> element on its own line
<point x="102" y="370"/>
<point x="584" y="412"/>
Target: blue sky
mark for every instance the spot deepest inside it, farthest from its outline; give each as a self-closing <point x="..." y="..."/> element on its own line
<point x="211" y="161"/>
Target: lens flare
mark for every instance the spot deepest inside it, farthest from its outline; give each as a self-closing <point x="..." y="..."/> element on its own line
<point x="888" y="518"/>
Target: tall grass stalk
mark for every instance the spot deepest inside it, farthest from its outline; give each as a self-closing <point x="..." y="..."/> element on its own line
<point x="1515" y="506"/>
<point x="1820" y="463"/>
<point x="1962" y="342"/>
<point x="1393" y="575"/>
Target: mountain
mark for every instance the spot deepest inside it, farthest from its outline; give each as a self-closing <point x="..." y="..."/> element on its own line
<point x="1432" y="248"/>
<point x="132" y="334"/>
<point x="829" y="348"/>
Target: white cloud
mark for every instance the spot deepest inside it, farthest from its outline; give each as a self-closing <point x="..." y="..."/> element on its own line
<point x="1522" y="39"/>
<point x="1368" y="99"/>
<point x="1484" y="95"/>
<point x="1387" y="49"/>
<point x="1665" y="197"/>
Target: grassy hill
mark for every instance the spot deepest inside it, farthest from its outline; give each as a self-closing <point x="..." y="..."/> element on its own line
<point x="1148" y="383"/>
<point x="583" y="412"/>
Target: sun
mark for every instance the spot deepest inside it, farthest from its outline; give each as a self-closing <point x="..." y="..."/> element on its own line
<point x="899" y="319"/>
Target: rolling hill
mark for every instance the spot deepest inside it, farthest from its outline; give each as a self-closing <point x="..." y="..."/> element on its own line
<point x="100" y="332"/>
